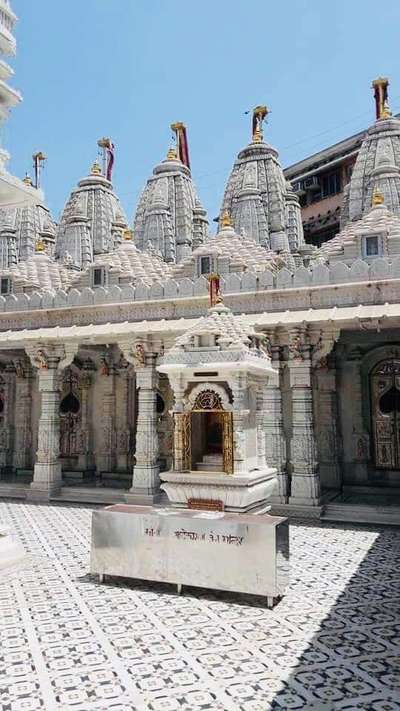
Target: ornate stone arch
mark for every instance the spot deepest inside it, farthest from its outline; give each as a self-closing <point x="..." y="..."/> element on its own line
<point x="368" y="363"/>
<point x="217" y="391"/>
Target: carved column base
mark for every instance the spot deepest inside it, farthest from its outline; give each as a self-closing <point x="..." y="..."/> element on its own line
<point x="282" y="489"/>
<point x="145" y="485"/>
<point x="47" y="481"/>
<point x="305" y="490"/>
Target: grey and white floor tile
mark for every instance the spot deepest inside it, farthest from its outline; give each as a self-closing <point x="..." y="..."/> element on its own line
<point x="67" y="642"/>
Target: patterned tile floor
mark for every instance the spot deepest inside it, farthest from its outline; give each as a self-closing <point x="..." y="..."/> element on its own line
<point x="67" y="642"/>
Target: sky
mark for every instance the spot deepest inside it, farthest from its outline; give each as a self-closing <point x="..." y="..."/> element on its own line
<point x="128" y="68"/>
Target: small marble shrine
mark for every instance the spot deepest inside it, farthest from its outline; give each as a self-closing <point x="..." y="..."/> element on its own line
<point x="240" y="371"/>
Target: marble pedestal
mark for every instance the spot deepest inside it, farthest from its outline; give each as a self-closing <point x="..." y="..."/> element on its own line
<point x="249" y="492"/>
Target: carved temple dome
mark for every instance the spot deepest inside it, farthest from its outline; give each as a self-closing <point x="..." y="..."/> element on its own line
<point x="39" y="273"/>
<point x="21" y="228"/>
<point x="128" y="265"/>
<point x="230" y="252"/>
<point x="92" y="222"/>
<point x="379" y="224"/>
<point x="258" y="198"/>
<point x="377" y="164"/>
<point x="169" y="216"/>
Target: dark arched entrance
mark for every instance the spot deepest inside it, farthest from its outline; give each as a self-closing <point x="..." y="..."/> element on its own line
<point x="385" y="410"/>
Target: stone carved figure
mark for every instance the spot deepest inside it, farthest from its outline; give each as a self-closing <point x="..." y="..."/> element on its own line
<point x="295" y="344"/>
<point x="104" y="366"/>
<point x="265" y="346"/>
<point x="19" y="369"/>
<point x="139" y="356"/>
<point x="41" y="359"/>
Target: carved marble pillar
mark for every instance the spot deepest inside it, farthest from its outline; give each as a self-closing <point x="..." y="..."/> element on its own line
<point x="239" y="416"/>
<point x="327" y="426"/>
<point x="106" y="457"/>
<point x="305" y="485"/>
<point x="274" y="435"/>
<point x="50" y="360"/>
<point x="356" y="440"/>
<point x="146" y="481"/>
<point x="86" y="457"/>
<point x="123" y="431"/>
<point x="180" y="460"/>
<point x="22" y="454"/>
<point x="7" y="415"/>
<point x="261" y="420"/>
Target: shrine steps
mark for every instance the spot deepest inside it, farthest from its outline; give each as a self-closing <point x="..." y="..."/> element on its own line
<point x="210" y="463"/>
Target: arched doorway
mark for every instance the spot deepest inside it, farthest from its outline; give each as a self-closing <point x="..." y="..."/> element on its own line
<point x="207" y="434"/>
<point x="385" y="410"/>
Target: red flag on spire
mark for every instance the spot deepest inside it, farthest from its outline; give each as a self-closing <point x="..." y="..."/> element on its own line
<point x="110" y="149"/>
<point x="181" y="142"/>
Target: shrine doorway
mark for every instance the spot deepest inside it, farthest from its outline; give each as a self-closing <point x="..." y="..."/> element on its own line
<point x="385" y="411"/>
<point x="208" y="434"/>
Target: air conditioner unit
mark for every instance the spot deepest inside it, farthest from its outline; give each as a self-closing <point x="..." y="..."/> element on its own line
<point x="298" y="188"/>
<point x="311" y="183"/>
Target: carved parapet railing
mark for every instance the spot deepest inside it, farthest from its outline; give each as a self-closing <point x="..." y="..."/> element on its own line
<point x="382" y="268"/>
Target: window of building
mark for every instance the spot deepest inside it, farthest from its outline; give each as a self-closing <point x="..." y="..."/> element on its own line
<point x="5" y="286"/>
<point x="371" y="246"/>
<point x="331" y="184"/>
<point x="205" y="265"/>
<point x="99" y="276"/>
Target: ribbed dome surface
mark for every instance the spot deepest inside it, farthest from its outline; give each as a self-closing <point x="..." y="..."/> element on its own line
<point x="92" y="221"/>
<point x="259" y="201"/>
<point x="377" y="165"/>
<point x="25" y="226"/>
<point x="169" y="216"/>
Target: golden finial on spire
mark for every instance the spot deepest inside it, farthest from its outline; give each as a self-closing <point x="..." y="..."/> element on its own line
<point x="127" y="235"/>
<point x="226" y="219"/>
<point x="259" y="115"/>
<point x="377" y="197"/>
<point x="28" y="180"/>
<point x="95" y="169"/>
<point x="380" y="87"/>
<point x="39" y="246"/>
<point x="172" y="154"/>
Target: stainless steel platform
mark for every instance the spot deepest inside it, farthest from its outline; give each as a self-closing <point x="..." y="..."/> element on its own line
<point x="222" y="551"/>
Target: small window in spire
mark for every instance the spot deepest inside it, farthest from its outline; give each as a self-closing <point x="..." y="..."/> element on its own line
<point x="99" y="276"/>
<point x="372" y="246"/>
<point x="5" y="286"/>
<point x="205" y="265"/>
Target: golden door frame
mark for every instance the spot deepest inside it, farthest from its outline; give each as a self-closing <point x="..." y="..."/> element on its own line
<point x="208" y="401"/>
<point x="385" y="425"/>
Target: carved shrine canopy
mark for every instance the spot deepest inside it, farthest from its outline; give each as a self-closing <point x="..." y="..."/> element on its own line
<point x="109" y="332"/>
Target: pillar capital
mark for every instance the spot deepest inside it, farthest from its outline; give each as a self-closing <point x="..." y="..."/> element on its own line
<point x="51" y="356"/>
<point x="323" y="343"/>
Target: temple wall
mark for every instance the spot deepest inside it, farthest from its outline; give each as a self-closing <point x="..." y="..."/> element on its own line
<point x="338" y="272"/>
